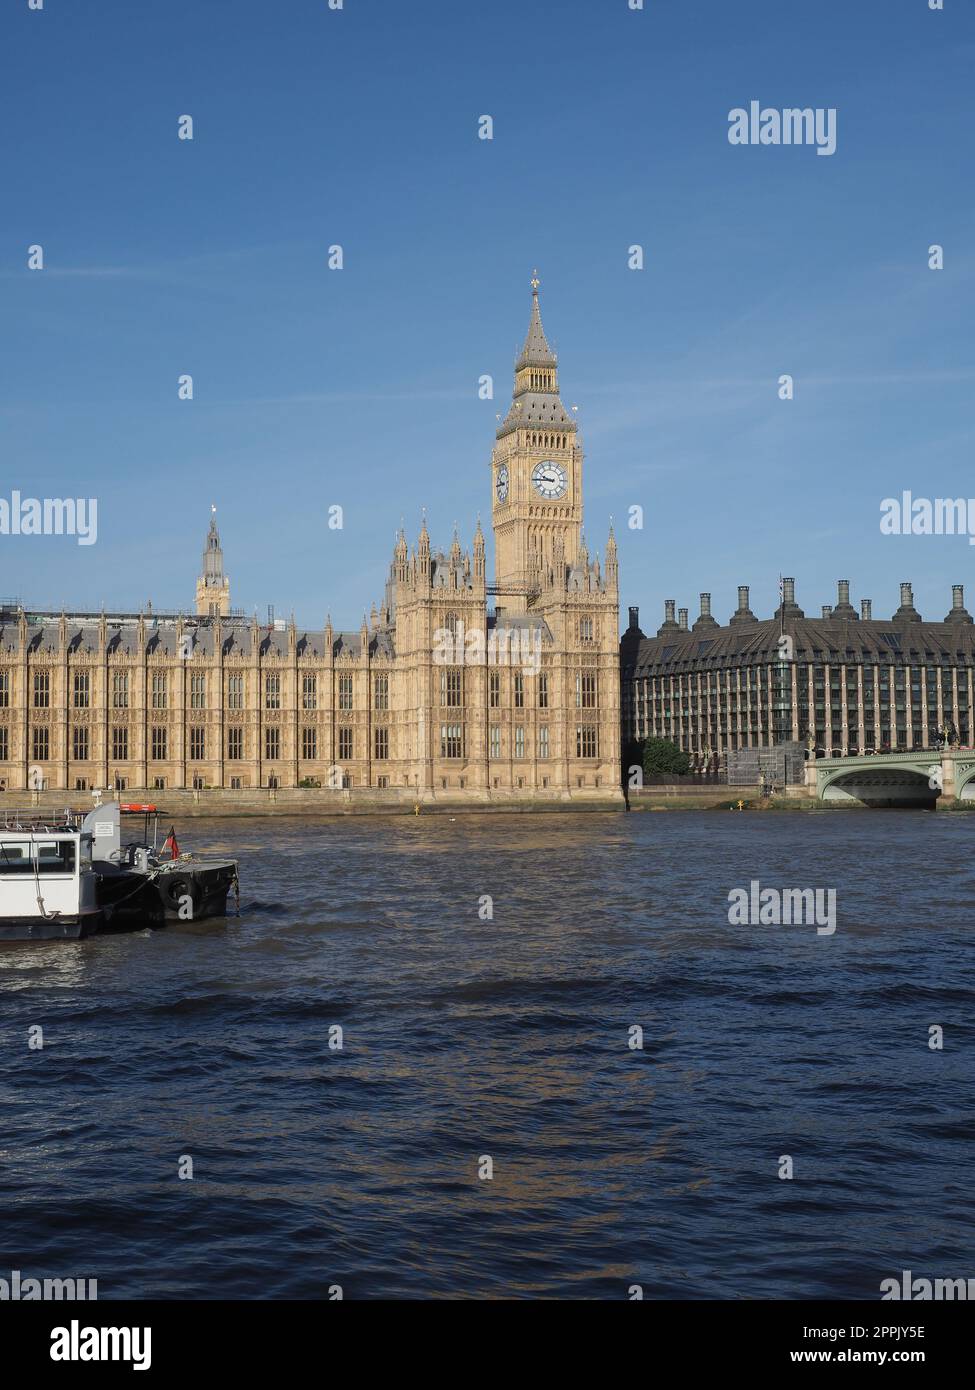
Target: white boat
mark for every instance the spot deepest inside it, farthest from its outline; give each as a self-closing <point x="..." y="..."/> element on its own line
<point x="48" y="887"/>
<point x="67" y="876"/>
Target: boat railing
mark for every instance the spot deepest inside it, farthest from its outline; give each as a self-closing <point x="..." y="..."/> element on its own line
<point x="43" y="821"/>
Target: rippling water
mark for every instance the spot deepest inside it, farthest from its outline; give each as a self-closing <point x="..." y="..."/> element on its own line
<point x="508" y="1037"/>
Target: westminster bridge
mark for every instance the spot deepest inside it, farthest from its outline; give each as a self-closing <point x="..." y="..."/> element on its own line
<point x="922" y="777"/>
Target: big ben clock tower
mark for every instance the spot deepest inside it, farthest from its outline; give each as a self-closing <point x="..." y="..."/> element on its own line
<point x="537" y="474"/>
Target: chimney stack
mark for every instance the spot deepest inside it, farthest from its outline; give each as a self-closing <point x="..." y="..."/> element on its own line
<point x="788" y="608"/>
<point x="743" y="614"/>
<point x="682" y="619"/>
<point x="866" y="609"/>
<point x="907" y="613"/>
<point x="669" y="623"/>
<point x="705" y="620"/>
<point x="844" y="608"/>
<point x="959" y="613"/>
<point x="827" y="610"/>
<point x="634" y="619"/>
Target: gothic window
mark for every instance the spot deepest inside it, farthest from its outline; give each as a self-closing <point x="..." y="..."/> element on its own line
<point x="519" y="740"/>
<point x="198" y="690"/>
<point x="4" y="689"/>
<point x="381" y="692"/>
<point x="4" y="745"/>
<point x="543" y="692"/>
<point x="345" y="742"/>
<point x="42" y="745"/>
<point x="272" y="743"/>
<point x="451" y="740"/>
<point x="160" y="689"/>
<point x="519" y="691"/>
<point x="42" y="689"/>
<point x="235" y="743"/>
<point x="120" y="690"/>
<point x="309" y="743"/>
<point x="495" y="749"/>
<point x="235" y="692"/>
<point x="381" y="744"/>
<point x="81" y="690"/>
<point x="159" y="743"/>
<point x="345" y="690"/>
<point x="120" y="744"/>
<point x="451" y="687"/>
<point x="272" y="691"/>
<point x="585" y="691"/>
<point x="197" y="744"/>
<point x="309" y="691"/>
<point x="587" y="741"/>
<point x="543" y="744"/>
<point x="585" y="629"/>
<point x="495" y="686"/>
<point x="79" y="745"/>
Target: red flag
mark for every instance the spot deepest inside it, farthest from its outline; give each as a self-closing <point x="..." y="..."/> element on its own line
<point x="170" y="843"/>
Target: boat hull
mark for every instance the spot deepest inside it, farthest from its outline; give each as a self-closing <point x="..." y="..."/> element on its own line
<point x="40" y="929"/>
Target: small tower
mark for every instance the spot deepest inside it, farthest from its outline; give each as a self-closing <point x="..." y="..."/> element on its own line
<point x="213" y="586"/>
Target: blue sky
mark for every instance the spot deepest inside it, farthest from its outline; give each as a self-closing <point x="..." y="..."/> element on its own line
<point x="359" y="387"/>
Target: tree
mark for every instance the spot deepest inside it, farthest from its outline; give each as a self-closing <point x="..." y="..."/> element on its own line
<point x="664" y="759"/>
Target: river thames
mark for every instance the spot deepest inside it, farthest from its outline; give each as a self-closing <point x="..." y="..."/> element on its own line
<point x="489" y="974"/>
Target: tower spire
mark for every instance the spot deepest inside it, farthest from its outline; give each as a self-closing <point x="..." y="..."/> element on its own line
<point x="213" y="586"/>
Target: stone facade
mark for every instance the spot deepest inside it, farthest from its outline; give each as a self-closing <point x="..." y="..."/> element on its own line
<point x="454" y="685"/>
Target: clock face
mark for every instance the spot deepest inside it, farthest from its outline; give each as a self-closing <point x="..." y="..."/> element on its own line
<point x="550" y="480"/>
<point x="501" y="486"/>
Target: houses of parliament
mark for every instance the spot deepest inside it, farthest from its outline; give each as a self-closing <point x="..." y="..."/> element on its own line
<point x="456" y="686"/>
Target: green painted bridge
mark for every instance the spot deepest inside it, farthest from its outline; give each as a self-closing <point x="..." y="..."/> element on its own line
<point x="923" y="777"/>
